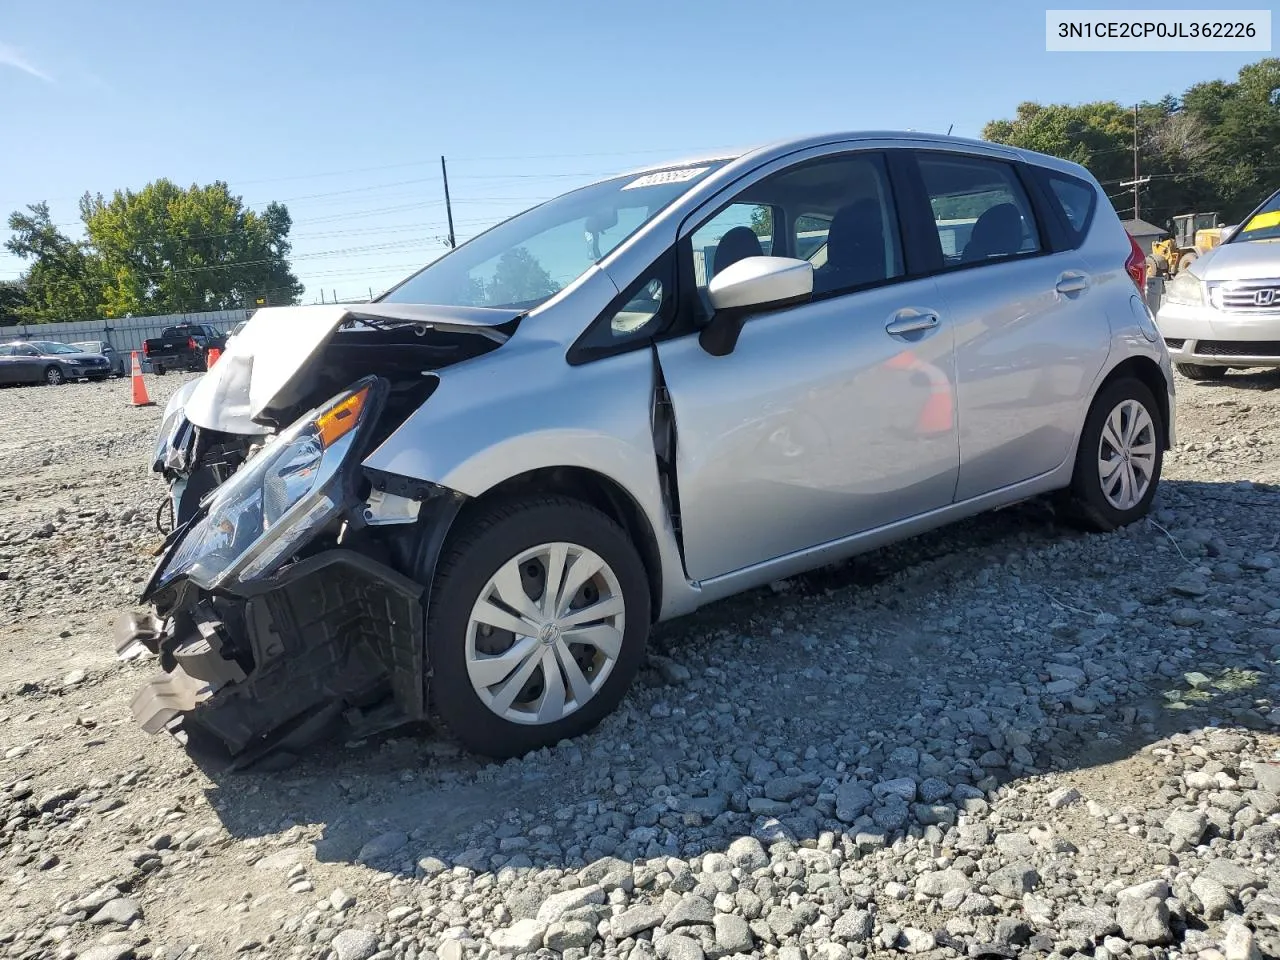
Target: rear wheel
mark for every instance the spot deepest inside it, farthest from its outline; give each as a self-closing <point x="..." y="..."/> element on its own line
<point x="53" y="376"/>
<point x="158" y="370"/>
<point x="537" y="623"/>
<point x="1194" y="371"/>
<point x="1119" y="458"/>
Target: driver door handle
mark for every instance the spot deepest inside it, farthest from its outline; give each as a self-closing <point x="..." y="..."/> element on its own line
<point x="910" y="321"/>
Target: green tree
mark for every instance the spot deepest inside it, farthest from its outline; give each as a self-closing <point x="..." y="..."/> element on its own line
<point x="13" y="298"/>
<point x="1094" y="135"/>
<point x="65" y="281"/>
<point x="166" y="249"/>
<point x="1216" y="147"/>
<point x="762" y="221"/>
<point x="1241" y="123"/>
<point x="518" y="278"/>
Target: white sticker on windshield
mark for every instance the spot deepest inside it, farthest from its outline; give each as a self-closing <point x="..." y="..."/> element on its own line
<point x="666" y="176"/>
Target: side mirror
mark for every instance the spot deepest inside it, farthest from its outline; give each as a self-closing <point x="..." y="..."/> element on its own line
<point x="752" y="285"/>
<point x="1228" y="233"/>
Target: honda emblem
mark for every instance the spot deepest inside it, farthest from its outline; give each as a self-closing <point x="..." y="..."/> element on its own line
<point x="1264" y="298"/>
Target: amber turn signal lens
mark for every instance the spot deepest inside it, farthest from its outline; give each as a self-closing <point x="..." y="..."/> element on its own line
<point x="340" y="419"/>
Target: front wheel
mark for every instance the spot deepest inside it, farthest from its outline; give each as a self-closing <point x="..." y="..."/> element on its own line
<point x="536" y="626"/>
<point x="53" y="376"/>
<point x="1194" y="371"/>
<point x="1119" y="458"/>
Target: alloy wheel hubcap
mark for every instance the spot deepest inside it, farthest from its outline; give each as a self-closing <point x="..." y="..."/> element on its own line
<point x="545" y="633"/>
<point x="1127" y="455"/>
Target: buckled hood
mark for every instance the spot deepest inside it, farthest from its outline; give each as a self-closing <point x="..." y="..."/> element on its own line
<point x="278" y="343"/>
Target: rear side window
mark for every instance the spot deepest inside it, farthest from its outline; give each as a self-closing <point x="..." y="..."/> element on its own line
<point x="1076" y="200"/>
<point x="979" y="208"/>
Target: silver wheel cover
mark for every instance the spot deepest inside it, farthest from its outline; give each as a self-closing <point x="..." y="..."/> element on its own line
<point x="1127" y="454"/>
<point x="545" y="633"/>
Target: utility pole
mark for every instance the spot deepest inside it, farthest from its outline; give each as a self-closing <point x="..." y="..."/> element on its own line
<point x="1137" y="181"/>
<point x="448" y="207"/>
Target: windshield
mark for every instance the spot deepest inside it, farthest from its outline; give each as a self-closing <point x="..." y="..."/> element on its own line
<point x="1263" y="225"/>
<point x="533" y="256"/>
<point x="46" y="346"/>
<point x="89" y="346"/>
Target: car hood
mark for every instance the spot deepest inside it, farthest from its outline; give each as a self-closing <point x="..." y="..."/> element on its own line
<point x="277" y="344"/>
<point x="1247" y="260"/>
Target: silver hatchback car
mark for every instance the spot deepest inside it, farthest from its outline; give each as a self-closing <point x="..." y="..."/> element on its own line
<point x="473" y="496"/>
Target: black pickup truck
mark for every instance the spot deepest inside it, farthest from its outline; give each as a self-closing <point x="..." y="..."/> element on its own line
<point x="184" y="347"/>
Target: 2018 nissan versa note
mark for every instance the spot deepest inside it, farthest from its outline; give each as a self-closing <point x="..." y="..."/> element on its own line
<point x="474" y="495"/>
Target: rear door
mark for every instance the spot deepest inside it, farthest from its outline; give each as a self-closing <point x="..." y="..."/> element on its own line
<point x="1030" y="333"/>
<point x="8" y="364"/>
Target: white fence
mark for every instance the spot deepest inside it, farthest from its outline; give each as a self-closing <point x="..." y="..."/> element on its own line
<point x="124" y="334"/>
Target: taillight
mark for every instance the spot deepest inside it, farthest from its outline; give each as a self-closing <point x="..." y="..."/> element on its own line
<point x="1136" y="265"/>
<point x="146" y="349"/>
<point x="191" y="343"/>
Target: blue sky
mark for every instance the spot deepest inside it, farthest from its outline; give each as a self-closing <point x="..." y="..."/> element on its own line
<point x="343" y="109"/>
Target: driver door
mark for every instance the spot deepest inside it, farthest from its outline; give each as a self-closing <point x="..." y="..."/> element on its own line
<point x="829" y="418"/>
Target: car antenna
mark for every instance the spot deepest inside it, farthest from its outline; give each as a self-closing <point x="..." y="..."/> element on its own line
<point x="950" y="128"/>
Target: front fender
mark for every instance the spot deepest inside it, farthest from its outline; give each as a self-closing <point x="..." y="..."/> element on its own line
<point x="524" y="408"/>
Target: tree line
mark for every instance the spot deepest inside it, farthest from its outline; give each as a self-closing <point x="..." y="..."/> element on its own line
<point x="1216" y="147"/>
<point x="162" y="249"/>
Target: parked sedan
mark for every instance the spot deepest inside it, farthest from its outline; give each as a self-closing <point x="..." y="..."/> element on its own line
<point x="1223" y="312"/>
<point x="119" y="360"/>
<point x="44" y="361"/>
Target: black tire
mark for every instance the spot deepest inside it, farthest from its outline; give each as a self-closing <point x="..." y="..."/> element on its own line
<point x="157" y="370"/>
<point x="54" y="376"/>
<point x="1194" y="371"/>
<point x="472" y="555"/>
<point x="1084" y="502"/>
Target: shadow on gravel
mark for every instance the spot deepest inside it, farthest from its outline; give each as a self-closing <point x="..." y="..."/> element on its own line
<point x="995" y="650"/>
<point x="1261" y="380"/>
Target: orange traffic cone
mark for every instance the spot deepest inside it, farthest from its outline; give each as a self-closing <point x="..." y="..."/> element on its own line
<point x="214" y="354"/>
<point x="140" y="398"/>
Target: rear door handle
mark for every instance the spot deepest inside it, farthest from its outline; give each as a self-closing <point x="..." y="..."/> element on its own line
<point x="1072" y="283"/>
<point x="911" y="321"/>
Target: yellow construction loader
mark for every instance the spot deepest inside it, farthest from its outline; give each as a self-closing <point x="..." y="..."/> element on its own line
<point x="1193" y="234"/>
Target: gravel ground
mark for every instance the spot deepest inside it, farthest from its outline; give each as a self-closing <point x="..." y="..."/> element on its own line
<point x="1001" y="740"/>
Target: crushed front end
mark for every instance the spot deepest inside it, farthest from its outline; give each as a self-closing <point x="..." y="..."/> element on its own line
<point x="290" y="588"/>
<point x="280" y="605"/>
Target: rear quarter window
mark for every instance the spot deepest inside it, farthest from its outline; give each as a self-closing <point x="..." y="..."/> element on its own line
<point x="1075" y="201"/>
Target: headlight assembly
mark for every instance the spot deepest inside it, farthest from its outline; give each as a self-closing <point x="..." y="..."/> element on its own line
<point x="1185" y="289"/>
<point x="278" y="499"/>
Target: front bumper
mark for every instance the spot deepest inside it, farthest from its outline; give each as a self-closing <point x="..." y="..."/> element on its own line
<point x="1209" y="337"/>
<point x="330" y="636"/>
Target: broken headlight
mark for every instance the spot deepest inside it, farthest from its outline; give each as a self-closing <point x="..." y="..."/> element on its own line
<point x="277" y="500"/>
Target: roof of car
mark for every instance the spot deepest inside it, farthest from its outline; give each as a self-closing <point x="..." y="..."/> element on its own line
<point x="799" y="143"/>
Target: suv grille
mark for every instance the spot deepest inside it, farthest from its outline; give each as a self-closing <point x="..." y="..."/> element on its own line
<point x="1246" y="296"/>
<point x="1239" y="348"/>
